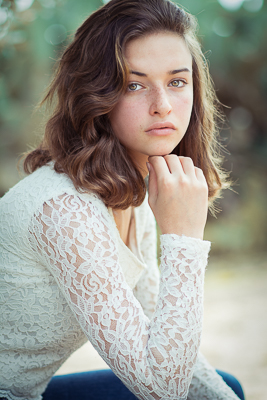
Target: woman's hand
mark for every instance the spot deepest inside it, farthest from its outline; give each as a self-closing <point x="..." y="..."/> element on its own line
<point x="178" y="195"/>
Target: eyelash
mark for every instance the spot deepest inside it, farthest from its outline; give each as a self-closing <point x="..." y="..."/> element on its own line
<point x="175" y="80"/>
<point x="179" y="80"/>
<point x="133" y="83"/>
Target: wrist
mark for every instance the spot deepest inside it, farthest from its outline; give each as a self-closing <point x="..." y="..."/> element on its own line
<point x="192" y="233"/>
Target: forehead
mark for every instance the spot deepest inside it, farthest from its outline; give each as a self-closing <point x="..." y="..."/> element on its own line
<point x="162" y="50"/>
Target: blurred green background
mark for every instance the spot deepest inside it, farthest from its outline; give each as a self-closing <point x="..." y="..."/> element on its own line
<point x="233" y="34"/>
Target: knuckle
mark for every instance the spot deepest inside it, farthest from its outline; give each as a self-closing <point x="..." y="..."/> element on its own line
<point x="170" y="158"/>
<point x="154" y="159"/>
<point x="167" y="185"/>
<point x="183" y="181"/>
<point x="188" y="160"/>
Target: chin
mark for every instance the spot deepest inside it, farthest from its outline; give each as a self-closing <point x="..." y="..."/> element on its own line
<point x="162" y="152"/>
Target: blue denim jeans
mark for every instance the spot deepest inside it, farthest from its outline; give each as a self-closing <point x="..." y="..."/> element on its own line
<point x="104" y="385"/>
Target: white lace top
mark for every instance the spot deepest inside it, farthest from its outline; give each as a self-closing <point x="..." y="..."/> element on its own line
<point x="66" y="277"/>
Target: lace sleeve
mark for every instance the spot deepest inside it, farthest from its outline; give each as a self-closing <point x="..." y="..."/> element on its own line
<point x="154" y="359"/>
<point x="147" y="288"/>
<point x="206" y="384"/>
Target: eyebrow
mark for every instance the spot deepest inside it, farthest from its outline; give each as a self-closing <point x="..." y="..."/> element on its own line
<point x="173" y="72"/>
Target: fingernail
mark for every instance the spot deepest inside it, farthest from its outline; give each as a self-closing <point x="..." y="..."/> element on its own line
<point x="148" y="166"/>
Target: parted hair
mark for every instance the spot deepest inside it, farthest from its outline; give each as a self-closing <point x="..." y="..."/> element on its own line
<point x="90" y="77"/>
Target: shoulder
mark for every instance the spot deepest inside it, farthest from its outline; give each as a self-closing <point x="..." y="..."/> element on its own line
<point x="44" y="185"/>
<point x="43" y="180"/>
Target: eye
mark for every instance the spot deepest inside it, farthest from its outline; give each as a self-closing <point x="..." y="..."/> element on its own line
<point x="178" y="83"/>
<point x="133" y="87"/>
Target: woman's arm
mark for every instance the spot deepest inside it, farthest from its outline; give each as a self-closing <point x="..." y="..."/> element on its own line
<point x="155" y="359"/>
<point x="147" y="289"/>
<point x="207" y="384"/>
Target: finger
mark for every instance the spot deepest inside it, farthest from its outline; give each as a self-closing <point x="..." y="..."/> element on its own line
<point x="160" y="167"/>
<point x="174" y="164"/>
<point x="188" y="166"/>
<point x="199" y="174"/>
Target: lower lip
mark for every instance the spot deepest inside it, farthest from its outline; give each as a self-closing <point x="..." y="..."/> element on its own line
<point x="160" y="132"/>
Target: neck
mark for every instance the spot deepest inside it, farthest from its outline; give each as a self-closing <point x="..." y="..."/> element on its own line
<point x="141" y="164"/>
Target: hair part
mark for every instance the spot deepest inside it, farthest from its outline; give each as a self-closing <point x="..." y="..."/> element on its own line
<point x="91" y="76"/>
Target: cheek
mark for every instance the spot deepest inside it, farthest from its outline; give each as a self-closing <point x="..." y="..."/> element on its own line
<point x="124" y="120"/>
<point x="183" y="107"/>
<point x="128" y="115"/>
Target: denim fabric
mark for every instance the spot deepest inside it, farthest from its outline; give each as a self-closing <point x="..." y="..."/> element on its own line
<point x="233" y="383"/>
<point x="104" y="385"/>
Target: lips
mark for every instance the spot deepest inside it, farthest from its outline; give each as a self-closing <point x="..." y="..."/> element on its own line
<point x="161" y="129"/>
<point x="160" y="125"/>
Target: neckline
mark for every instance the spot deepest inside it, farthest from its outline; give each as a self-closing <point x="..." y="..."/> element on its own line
<point x="133" y="219"/>
<point x="125" y="247"/>
<point x="124" y="221"/>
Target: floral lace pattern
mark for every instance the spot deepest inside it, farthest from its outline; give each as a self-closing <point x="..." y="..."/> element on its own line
<point x="206" y="384"/>
<point x="70" y="286"/>
<point x="74" y="239"/>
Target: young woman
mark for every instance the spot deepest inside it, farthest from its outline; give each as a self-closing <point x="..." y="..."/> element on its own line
<point x="131" y="95"/>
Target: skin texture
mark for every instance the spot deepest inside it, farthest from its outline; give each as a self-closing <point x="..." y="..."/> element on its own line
<point x="158" y="97"/>
<point x="160" y="92"/>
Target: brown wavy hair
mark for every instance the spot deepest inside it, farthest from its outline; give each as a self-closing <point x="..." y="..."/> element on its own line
<point x="91" y="76"/>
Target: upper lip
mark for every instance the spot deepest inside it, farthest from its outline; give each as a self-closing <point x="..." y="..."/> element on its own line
<point x="160" y="125"/>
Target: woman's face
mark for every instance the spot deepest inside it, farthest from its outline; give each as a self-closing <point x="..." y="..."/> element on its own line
<point x="152" y="116"/>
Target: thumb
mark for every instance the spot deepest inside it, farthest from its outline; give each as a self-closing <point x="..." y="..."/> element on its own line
<point x="152" y="184"/>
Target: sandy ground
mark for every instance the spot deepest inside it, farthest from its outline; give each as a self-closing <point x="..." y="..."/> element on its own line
<point x="235" y="324"/>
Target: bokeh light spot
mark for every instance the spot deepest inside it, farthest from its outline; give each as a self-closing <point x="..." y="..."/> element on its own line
<point x="223" y="27"/>
<point x="253" y="5"/>
<point x="55" y="34"/>
<point x="231" y="5"/>
<point x="48" y="3"/>
<point x="240" y="118"/>
<point x="22" y="5"/>
<point x="3" y="15"/>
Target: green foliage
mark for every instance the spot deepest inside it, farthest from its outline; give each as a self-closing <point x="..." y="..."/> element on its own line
<point x="33" y="34"/>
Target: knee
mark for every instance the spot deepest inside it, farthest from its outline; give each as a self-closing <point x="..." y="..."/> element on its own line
<point x="234" y="384"/>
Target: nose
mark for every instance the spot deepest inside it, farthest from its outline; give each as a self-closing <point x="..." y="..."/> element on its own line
<point x="159" y="103"/>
